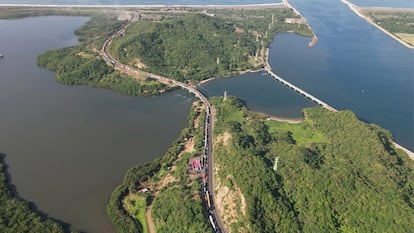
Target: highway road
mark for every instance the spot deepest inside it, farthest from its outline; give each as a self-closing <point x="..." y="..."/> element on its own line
<point x="213" y="216"/>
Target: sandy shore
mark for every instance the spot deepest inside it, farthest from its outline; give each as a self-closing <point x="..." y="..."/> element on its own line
<point x="410" y="153"/>
<point x="358" y="11"/>
<point x="288" y="120"/>
<point x="282" y="119"/>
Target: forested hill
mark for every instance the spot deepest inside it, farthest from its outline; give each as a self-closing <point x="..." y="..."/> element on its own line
<point x="195" y="46"/>
<point x="334" y="173"/>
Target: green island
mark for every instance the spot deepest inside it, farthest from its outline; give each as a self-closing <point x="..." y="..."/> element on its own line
<point x="334" y="174"/>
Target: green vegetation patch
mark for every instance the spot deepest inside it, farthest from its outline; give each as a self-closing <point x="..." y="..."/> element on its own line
<point x="136" y="205"/>
<point x="302" y="133"/>
<point x="260" y="21"/>
<point x="80" y="65"/>
<point x="394" y="21"/>
<point x="178" y="206"/>
<point x="191" y="47"/>
<point x="398" y="22"/>
<point x="176" y="210"/>
<point x="121" y="220"/>
<point x="334" y="173"/>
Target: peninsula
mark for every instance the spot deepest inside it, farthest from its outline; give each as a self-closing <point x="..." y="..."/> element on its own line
<point x="395" y="22"/>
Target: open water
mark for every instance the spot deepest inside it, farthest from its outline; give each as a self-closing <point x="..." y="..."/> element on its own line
<point x="68" y="147"/>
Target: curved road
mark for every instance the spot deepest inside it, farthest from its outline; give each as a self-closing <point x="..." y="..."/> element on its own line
<point x="208" y="149"/>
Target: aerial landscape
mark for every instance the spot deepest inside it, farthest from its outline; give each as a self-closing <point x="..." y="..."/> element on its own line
<point x="206" y="116"/>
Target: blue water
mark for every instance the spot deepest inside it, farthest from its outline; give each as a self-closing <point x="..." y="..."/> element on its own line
<point x="260" y="93"/>
<point x="354" y="66"/>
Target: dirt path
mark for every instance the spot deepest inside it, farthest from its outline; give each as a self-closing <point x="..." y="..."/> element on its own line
<point x="150" y="223"/>
<point x="189" y="147"/>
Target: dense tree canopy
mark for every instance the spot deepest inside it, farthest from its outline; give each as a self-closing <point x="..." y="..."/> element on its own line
<point x="195" y="46"/>
<point x="335" y="173"/>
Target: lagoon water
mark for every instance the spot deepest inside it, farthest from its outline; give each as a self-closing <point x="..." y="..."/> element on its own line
<point x="68" y="147"/>
<point x="260" y="93"/>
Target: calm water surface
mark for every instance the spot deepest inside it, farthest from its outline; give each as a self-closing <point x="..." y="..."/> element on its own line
<point x="69" y="147"/>
<point x="354" y="66"/>
<point x="260" y="93"/>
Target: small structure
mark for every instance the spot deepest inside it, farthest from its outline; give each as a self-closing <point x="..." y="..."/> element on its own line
<point x="275" y="166"/>
<point x="1" y="55"/>
<point x="294" y="21"/>
<point x="195" y="164"/>
<point x="143" y="190"/>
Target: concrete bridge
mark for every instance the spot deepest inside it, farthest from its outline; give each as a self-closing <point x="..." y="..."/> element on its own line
<point x="307" y="95"/>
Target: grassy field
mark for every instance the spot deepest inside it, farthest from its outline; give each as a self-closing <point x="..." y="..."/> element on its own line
<point x="135" y="205"/>
<point x="301" y="133"/>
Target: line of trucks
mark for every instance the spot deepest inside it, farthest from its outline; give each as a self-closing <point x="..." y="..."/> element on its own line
<point x="207" y="195"/>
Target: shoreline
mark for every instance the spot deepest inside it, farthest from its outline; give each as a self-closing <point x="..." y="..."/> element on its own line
<point x="244" y="6"/>
<point x="357" y="10"/>
<point x="281" y="119"/>
<point x="236" y="74"/>
<point x="409" y="153"/>
<point x="315" y="38"/>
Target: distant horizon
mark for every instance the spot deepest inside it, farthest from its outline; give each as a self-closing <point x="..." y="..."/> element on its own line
<point x="140" y="5"/>
<point x="137" y="3"/>
<point x="362" y="3"/>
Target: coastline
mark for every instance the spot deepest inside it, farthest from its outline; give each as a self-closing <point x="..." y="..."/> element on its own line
<point x="315" y="39"/>
<point x="409" y="153"/>
<point x="242" y="6"/>
<point x="357" y="10"/>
